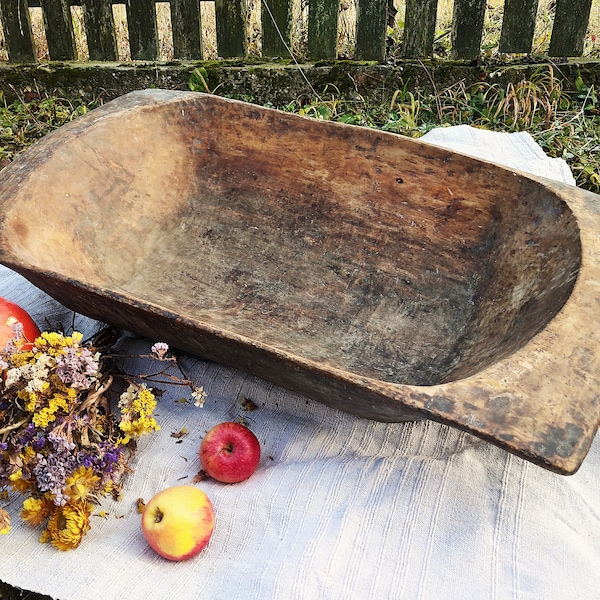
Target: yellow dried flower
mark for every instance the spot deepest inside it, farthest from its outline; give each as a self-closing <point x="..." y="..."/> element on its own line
<point x="48" y="414"/>
<point x="4" y="522"/>
<point x="81" y="483"/>
<point x="137" y="405"/>
<point x="76" y="338"/>
<point x="19" y="484"/>
<point x="27" y="454"/>
<point x="22" y="486"/>
<point x="16" y="475"/>
<point x="36" y="510"/>
<point x="68" y="524"/>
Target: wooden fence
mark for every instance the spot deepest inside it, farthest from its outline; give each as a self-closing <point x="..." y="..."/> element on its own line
<point x="570" y="23"/>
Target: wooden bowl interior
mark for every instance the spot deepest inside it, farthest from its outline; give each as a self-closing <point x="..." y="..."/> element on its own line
<point x="370" y="253"/>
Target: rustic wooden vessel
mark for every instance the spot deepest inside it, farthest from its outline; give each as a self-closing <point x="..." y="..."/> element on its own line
<point x="377" y="274"/>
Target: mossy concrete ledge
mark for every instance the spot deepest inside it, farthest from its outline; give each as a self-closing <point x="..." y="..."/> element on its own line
<point x="271" y="81"/>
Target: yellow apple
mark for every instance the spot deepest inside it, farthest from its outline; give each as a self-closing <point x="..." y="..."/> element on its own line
<point x="178" y="522"/>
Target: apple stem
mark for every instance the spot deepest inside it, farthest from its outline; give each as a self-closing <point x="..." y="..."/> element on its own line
<point x="158" y="515"/>
<point x="228" y="448"/>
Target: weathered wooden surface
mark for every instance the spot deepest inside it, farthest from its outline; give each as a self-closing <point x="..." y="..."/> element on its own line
<point x="58" y="26"/>
<point x="374" y="273"/>
<point x="14" y="16"/>
<point x="518" y="25"/>
<point x="467" y="28"/>
<point x="100" y="29"/>
<point x="185" y="21"/>
<point x="143" y="29"/>
<point x="373" y="16"/>
<point x="371" y="29"/>
<point x="419" y="27"/>
<point x="570" y="24"/>
<point x="322" y="28"/>
<point x="231" y="28"/>
<point x="276" y="19"/>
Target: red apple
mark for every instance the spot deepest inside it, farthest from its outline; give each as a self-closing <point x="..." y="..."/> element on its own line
<point x="229" y="452"/>
<point x="178" y="522"/>
<point x="10" y="314"/>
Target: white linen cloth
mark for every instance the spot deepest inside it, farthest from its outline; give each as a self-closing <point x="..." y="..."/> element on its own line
<point x="340" y="507"/>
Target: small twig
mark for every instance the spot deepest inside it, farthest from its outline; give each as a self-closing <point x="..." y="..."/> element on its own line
<point x="435" y="91"/>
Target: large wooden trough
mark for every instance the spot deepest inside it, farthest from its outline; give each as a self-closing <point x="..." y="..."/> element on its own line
<point x="377" y="274"/>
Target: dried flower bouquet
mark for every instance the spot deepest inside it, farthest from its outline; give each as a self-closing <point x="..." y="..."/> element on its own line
<point x="61" y="444"/>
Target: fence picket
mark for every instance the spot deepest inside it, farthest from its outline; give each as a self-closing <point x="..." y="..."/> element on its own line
<point x="467" y="28"/>
<point x="419" y="27"/>
<point x="185" y="22"/>
<point x="276" y="19"/>
<point x="143" y="29"/>
<point x="323" y="28"/>
<point x="100" y="29"/>
<point x="14" y="15"/>
<point x="58" y="25"/>
<point x="518" y="25"/>
<point x="371" y="28"/>
<point x="231" y="28"/>
<point x="570" y="25"/>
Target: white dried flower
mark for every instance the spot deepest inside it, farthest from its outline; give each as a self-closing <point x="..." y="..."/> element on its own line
<point x="199" y="395"/>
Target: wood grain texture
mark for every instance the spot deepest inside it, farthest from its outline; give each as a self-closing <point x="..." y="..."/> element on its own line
<point x="419" y="28"/>
<point x="377" y="274"/>
<point x="570" y="26"/>
<point x="467" y="28"/>
<point x="518" y="25"/>
<point x="58" y="25"/>
<point x="16" y="24"/>
<point x="100" y="29"/>
<point x="186" y="24"/>
<point x="323" y="28"/>
<point x="143" y="29"/>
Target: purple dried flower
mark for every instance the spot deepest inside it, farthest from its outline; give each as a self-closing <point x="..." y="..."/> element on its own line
<point x="10" y="348"/>
<point x="52" y="471"/>
<point x="85" y="459"/>
<point x="77" y="369"/>
<point x="33" y="437"/>
<point x="38" y="442"/>
<point x="110" y="456"/>
<point x="17" y="329"/>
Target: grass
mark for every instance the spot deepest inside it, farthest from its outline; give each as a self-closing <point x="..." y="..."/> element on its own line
<point x="565" y="122"/>
<point x="33" y="116"/>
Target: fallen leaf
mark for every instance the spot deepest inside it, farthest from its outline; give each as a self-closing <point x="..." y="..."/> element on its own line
<point x="247" y="404"/>
<point x="200" y="476"/>
<point x="179" y="434"/>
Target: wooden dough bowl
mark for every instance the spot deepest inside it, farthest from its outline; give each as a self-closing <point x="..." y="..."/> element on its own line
<point x="377" y="274"/>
